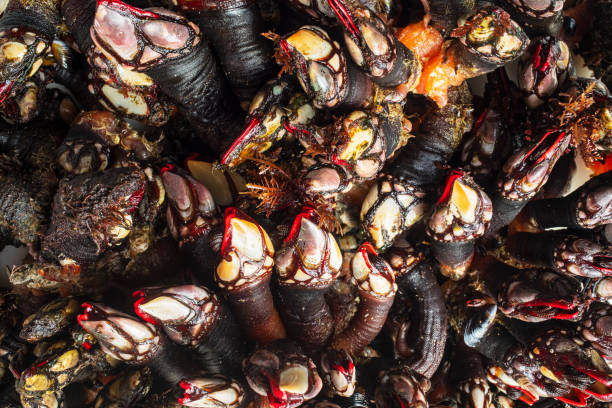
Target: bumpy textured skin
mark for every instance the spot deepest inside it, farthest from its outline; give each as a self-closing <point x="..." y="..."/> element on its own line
<point x="20" y="211"/>
<point x="86" y="209"/>
<point x="234" y="29"/>
<point x="419" y="346"/>
<point x="79" y="15"/>
<point x="196" y="84"/>
<point x="436" y="140"/>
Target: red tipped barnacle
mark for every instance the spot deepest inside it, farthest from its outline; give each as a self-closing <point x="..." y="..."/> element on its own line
<point x="375" y="281"/>
<point x="526" y="171"/>
<point x="524" y="174"/>
<point x="282" y="374"/>
<point x="307" y="265"/>
<point x="191" y="212"/>
<point x="539" y="295"/>
<point x="360" y="144"/>
<point x="247" y="254"/>
<point x="339" y="372"/>
<point x="390" y="208"/>
<point x="120" y="335"/>
<point x="244" y="272"/>
<point x="322" y="71"/>
<point x="374" y="48"/>
<point x="215" y="390"/>
<point x="186" y="313"/>
<point x="194" y="316"/>
<point x="310" y="256"/>
<point x="169" y="49"/>
<point x="462" y="214"/>
<point x="544" y="67"/>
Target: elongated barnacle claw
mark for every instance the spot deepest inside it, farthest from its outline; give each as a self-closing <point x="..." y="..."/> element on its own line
<point x="120" y="335"/>
<point x="537" y="295"/>
<point x="186" y="312"/>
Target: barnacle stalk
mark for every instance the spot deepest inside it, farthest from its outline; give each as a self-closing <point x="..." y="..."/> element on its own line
<point x="132" y="341"/>
<point x="282" y="374"/>
<point x="234" y="30"/>
<point x="323" y="71"/>
<point x="375" y="281"/>
<point x="374" y="48"/>
<point x="169" y="49"/>
<point x="461" y="215"/>
<point x="215" y="390"/>
<point x="567" y="254"/>
<point x="389" y="209"/>
<point x="422" y="332"/>
<point x="244" y="273"/>
<point x="193" y="316"/>
<point x="586" y="208"/>
<point x="421" y="162"/>
<point x="524" y="174"/>
<point x="307" y="264"/>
